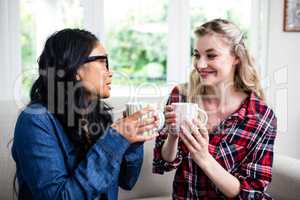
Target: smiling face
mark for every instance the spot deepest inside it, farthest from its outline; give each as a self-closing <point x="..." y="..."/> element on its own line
<point x="213" y="60"/>
<point x="94" y="75"/>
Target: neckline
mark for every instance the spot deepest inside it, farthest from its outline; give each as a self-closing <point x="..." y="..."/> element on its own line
<point x="234" y="114"/>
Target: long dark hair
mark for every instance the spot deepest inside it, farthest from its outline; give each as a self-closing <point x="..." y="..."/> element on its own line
<point x="64" y="96"/>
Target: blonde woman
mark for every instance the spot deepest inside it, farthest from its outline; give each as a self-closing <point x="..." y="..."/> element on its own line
<point x="231" y="156"/>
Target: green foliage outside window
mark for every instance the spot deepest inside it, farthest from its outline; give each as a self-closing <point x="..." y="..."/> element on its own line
<point x="140" y="56"/>
<point x="28" y="49"/>
<point x="137" y="46"/>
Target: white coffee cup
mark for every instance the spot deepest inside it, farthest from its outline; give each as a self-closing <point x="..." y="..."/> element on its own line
<point x="188" y="111"/>
<point x="133" y="107"/>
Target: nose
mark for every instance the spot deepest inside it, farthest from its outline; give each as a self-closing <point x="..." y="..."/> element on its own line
<point x="110" y="73"/>
<point x="201" y="63"/>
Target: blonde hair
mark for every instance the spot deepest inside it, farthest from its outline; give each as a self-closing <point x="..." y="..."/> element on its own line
<point x="246" y="78"/>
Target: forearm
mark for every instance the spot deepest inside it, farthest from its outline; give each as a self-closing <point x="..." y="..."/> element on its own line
<point x="228" y="184"/>
<point x="169" y="149"/>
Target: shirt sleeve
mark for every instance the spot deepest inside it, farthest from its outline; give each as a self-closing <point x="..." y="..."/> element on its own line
<point x="256" y="173"/>
<point x="131" y="166"/>
<point x="41" y="163"/>
<point x="159" y="164"/>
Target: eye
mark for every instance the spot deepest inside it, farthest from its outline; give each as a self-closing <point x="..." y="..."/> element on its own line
<point x="102" y="61"/>
<point x="211" y="56"/>
<point x="196" y="55"/>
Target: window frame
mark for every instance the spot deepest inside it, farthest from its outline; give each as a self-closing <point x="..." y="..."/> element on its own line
<point x="178" y="56"/>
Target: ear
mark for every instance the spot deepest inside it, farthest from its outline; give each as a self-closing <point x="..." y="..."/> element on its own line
<point x="77" y="77"/>
<point x="236" y="61"/>
<point x="79" y="74"/>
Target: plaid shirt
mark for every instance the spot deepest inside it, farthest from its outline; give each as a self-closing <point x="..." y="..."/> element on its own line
<point x="242" y="144"/>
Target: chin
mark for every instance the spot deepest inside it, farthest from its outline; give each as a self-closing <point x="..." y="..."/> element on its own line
<point x="208" y="81"/>
<point x="105" y="95"/>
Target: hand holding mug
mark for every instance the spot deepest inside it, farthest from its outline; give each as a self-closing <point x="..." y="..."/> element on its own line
<point x="132" y="107"/>
<point x="132" y="128"/>
<point x="195" y="137"/>
<point x="170" y="120"/>
<point x="177" y="113"/>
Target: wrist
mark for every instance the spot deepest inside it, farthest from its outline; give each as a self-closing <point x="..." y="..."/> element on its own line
<point x="206" y="163"/>
<point x="169" y="149"/>
<point x="172" y="137"/>
<point x="115" y="127"/>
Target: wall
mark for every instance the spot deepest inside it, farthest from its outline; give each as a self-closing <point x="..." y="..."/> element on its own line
<point x="10" y="51"/>
<point x="8" y="115"/>
<point x="284" y="72"/>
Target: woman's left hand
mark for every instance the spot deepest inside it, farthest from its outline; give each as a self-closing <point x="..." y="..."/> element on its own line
<point x="194" y="135"/>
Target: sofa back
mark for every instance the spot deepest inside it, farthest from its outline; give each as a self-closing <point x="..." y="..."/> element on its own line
<point x="8" y="115"/>
<point x="286" y="173"/>
<point x="149" y="184"/>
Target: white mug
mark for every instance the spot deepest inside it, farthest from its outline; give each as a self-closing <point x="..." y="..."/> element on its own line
<point x="188" y="111"/>
<point x="136" y="106"/>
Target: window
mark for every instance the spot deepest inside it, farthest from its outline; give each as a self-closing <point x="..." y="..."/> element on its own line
<point x="148" y="41"/>
<point x="136" y="40"/>
<point x="234" y="10"/>
<point x="246" y="14"/>
<point x="39" y="19"/>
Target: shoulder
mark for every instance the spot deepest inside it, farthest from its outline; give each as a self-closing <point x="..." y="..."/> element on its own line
<point x="175" y="90"/>
<point x="256" y="123"/>
<point x="177" y="94"/>
<point x="35" y="112"/>
<point x="35" y="132"/>
<point x="34" y="117"/>
<point x="262" y="111"/>
<point x="260" y="115"/>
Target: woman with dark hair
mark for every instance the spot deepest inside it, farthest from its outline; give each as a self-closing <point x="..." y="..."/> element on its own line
<point x="66" y="145"/>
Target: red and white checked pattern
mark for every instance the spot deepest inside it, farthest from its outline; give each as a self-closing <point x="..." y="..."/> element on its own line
<point x="242" y="144"/>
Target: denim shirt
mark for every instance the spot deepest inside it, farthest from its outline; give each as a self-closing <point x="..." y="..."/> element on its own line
<point x="46" y="161"/>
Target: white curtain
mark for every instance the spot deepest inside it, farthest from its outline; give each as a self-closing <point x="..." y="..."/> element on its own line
<point x="10" y="51"/>
<point x="94" y="17"/>
<point x="178" y="66"/>
<point x="259" y="34"/>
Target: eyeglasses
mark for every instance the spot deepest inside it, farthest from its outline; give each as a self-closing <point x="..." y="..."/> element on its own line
<point x="94" y="58"/>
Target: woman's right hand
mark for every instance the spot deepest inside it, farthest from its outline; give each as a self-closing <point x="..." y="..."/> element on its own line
<point x="132" y="128"/>
<point x="169" y="149"/>
<point x="170" y="120"/>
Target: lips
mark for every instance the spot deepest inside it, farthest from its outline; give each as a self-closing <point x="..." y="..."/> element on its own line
<point x="205" y="73"/>
<point x="108" y="85"/>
